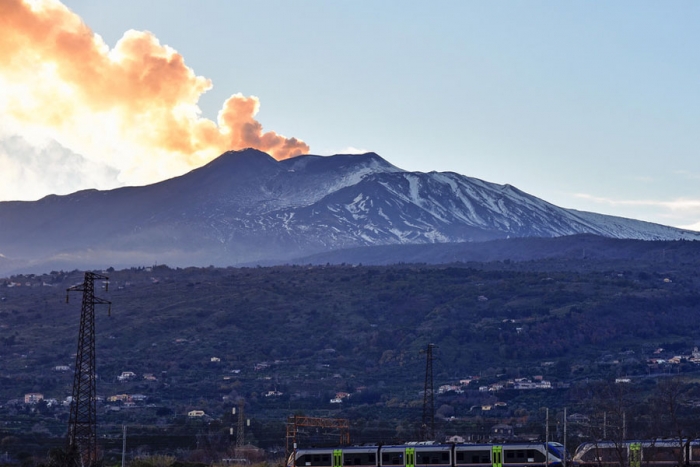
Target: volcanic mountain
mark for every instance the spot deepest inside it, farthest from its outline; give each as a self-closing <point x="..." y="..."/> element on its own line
<point x="245" y="208"/>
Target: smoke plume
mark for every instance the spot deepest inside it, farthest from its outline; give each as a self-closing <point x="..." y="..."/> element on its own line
<point x="132" y="107"/>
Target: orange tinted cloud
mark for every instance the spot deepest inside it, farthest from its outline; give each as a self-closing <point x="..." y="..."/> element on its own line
<point x="134" y="106"/>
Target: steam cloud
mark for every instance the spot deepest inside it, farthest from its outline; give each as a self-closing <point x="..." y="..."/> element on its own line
<point x="133" y="108"/>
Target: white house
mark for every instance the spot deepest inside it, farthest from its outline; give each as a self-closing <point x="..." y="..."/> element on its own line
<point x="126" y="375"/>
<point x="33" y="398"/>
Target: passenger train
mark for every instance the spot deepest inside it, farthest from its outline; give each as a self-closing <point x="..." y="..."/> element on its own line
<point x="653" y="453"/>
<point x="432" y="455"/>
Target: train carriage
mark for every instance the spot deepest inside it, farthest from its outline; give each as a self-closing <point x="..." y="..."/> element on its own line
<point x="432" y="455"/>
<point x="356" y="456"/>
<point x="510" y="455"/>
<point x="315" y="457"/>
<point x="651" y="453"/>
<point x="364" y="456"/>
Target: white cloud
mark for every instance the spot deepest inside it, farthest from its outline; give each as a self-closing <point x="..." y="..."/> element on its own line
<point x="679" y="204"/>
<point x="350" y="150"/>
<point x="33" y="170"/>
<point x="695" y="226"/>
<point x="680" y="212"/>
<point x="687" y="174"/>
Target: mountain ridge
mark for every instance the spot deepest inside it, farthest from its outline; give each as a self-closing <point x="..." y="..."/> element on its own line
<point x="245" y="206"/>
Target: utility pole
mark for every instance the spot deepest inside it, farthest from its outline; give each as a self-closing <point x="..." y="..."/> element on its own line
<point x="546" y="437"/>
<point x="428" y="426"/>
<point x="82" y="437"/>
<point x="123" y="445"/>
<point x="605" y="424"/>
<point x="564" y="443"/>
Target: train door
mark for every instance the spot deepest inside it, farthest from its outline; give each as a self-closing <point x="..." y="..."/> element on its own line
<point x="337" y="458"/>
<point x="497" y="456"/>
<point x="410" y="457"/>
<point x="635" y="454"/>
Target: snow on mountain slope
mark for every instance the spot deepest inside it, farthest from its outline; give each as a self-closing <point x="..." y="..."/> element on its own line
<point x="245" y="207"/>
<point x="620" y="227"/>
<point x="403" y="207"/>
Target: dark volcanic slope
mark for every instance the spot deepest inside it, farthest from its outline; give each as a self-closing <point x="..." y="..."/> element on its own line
<point x="245" y="207"/>
<point x="579" y="249"/>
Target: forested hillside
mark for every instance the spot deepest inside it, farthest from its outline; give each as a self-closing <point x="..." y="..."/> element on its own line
<point x="289" y="339"/>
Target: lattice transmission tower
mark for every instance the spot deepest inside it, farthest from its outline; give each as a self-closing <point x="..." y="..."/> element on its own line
<point x="240" y="435"/>
<point x="82" y="437"/>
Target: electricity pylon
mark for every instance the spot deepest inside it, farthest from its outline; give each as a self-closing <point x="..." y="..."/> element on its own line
<point x="82" y="437"/>
<point x="240" y="437"/>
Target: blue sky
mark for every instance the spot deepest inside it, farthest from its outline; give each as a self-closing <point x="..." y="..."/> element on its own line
<point x="588" y="105"/>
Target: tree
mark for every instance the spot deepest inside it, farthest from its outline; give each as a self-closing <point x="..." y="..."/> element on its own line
<point x="611" y="403"/>
<point x="672" y="417"/>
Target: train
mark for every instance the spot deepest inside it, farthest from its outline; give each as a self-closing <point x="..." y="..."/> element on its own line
<point x="653" y="453"/>
<point x="433" y="455"/>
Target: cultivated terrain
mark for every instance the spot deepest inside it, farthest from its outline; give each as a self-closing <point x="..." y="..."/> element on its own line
<point x="292" y="339"/>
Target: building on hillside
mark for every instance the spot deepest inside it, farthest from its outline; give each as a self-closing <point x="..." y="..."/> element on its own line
<point x="578" y="418"/>
<point x="502" y="431"/>
<point x="118" y="398"/>
<point x="126" y="376"/>
<point x="33" y="398"/>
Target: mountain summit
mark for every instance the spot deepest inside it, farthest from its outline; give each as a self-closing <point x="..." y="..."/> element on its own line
<point x="246" y="207"/>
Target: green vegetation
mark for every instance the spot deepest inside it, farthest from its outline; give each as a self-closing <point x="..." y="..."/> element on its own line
<point x="287" y="340"/>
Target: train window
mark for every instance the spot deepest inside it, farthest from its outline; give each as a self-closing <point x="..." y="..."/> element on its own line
<point x="590" y="455"/>
<point x="392" y="458"/>
<point x="695" y="452"/>
<point x="523" y="456"/>
<point x="474" y="457"/>
<point x="608" y="454"/>
<point x="314" y="460"/>
<point x="432" y="457"/>
<point x="661" y="453"/>
<point x="368" y="458"/>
